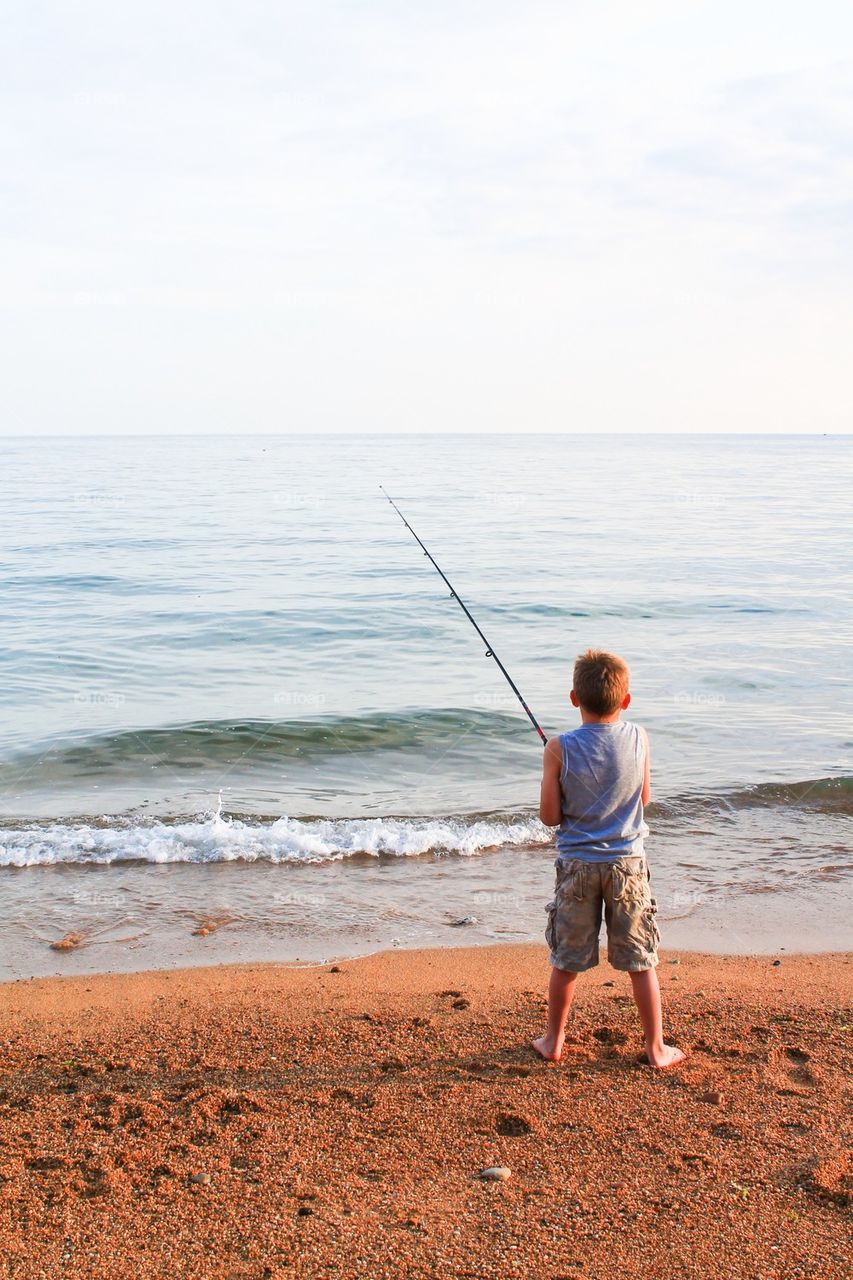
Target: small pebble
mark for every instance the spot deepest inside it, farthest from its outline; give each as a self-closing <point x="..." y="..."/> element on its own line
<point x="457" y="924"/>
<point x="776" y="963"/>
<point x="675" y="961"/>
<point x="712" y="1096"/>
<point x="304" y="1211"/>
<point x="495" y="1173"/>
<point x="201" y="1179"/>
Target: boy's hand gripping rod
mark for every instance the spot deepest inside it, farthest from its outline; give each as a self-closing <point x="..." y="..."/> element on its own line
<point x="490" y="653"/>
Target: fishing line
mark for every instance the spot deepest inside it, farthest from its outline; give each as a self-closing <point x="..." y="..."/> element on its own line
<point x="490" y="653"/>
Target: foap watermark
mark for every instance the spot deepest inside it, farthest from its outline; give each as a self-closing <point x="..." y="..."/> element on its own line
<point x="95" y="500"/>
<point x="502" y="499"/>
<point x="301" y="698"/>
<point x="681" y="900"/>
<point x="496" y="900"/>
<point x="298" y="499"/>
<point x="94" y="898"/>
<point x="494" y="699"/>
<point x="295" y="898"/>
<point x="711" y="499"/>
<point x="699" y="698"/>
<point x="99" y="698"/>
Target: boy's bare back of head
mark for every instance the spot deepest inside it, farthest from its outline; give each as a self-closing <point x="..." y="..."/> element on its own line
<point x="600" y="681"/>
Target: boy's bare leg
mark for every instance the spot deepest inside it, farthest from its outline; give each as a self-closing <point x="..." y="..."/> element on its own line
<point x="561" y="991"/>
<point x="647" y="1000"/>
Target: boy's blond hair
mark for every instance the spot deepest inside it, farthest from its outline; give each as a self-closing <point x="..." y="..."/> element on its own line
<point x="600" y="681"/>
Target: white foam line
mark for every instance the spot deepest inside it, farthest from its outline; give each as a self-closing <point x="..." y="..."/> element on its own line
<point x="303" y="841"/>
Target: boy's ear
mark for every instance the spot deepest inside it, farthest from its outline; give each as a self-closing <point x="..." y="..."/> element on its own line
<point x="574" y="698"/>
<point x="626" y="702"/>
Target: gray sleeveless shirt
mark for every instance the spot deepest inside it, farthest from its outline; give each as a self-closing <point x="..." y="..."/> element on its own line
<point x="601" y="782"/>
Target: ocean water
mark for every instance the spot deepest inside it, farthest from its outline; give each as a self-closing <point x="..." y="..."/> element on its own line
<point x="241" y="716"/>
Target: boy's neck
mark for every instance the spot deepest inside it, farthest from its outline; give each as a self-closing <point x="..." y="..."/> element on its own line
<point x="588" y="718"/>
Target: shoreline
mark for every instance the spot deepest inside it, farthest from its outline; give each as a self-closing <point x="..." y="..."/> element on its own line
<point x="268" y="1121"/>
<point x="208" y="970"/>
<point x="215" y="937"/>
<point x="131" y="918"/>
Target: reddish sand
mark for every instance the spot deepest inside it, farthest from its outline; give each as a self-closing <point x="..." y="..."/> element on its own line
<point x="264" y="1121"/>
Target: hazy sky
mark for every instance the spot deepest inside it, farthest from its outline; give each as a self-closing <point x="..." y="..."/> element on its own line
<point x="439" y="215"/>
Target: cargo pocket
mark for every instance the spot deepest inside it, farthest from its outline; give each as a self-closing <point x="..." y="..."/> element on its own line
<point x="630" y="884"/>
<point x="570" y="881"/>
<point x="550" y="926"/>
<point x="650" y="925"/>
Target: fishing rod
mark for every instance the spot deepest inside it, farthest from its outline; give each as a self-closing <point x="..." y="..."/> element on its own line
<point x="490" y="653"/>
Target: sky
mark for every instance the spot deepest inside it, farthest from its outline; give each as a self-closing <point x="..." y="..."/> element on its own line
<point x="449" y="215"/>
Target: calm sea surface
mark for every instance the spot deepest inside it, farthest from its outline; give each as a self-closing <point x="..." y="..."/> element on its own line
<point x="242" y="718"/>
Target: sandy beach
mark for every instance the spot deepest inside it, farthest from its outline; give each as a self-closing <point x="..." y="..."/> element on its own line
<point x="269" y="1121"/>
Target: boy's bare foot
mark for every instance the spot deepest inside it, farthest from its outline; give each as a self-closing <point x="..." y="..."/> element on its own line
<point x="548" y="1049"/>
<point x="668" y="1057"/>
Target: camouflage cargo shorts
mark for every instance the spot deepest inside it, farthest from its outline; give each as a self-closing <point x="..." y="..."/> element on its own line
<point x="623" y="888"/>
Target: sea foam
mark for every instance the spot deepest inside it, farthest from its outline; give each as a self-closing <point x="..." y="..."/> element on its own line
<point x="214" y="838"/>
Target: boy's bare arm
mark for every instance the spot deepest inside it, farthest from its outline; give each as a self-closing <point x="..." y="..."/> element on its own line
<point x="647" y="777"/>
<point x="550" y="797"/>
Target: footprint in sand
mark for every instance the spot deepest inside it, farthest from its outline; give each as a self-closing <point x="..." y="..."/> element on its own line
<point x="798" y="1071"/>
<point x="829" y="1175"/>
<point x="797" y="1055"/>
<point x="459" y="1001"/>
<point x="511" y="1125"/>
<point x="790" y="1072"/>
<point x="611" y="1035"/>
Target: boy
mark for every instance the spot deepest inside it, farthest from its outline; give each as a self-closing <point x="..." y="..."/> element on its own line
<point x="595" y="782"/>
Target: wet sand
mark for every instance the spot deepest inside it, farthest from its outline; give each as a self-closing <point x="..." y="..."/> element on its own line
<point x="263" y="1121"/>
